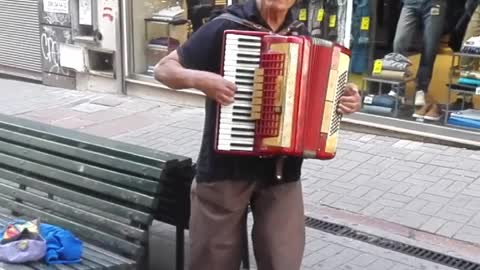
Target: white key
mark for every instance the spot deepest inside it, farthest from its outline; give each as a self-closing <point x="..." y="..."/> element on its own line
<point x="242" y="60"/>
<point x="240" y="43"/>
<point x="240" y="65"/>
<point x="235" y="47"/>
<point x="237" y="36"/>
<point x="234" y="144"/>
<point x="234" y="117"/>
<point x="234" y="68"/>
<point x="236" y="132"/>
<point x="235" y="148"/>
<point x="242" y="126"/>
<point x="238" y="80"/>
<point x="232" y="138"/>
<point x="242" y="52"/>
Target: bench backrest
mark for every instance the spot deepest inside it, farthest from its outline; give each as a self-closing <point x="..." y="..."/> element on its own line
<point x="105" y="191"/>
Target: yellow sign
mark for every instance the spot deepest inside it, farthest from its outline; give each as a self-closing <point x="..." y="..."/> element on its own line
<point x="321" y="13"/>
<point x="333" y="21"/>
<point x="377" y="66"/>
<point x="365" y="23"/>
<point x="303" y="14"/>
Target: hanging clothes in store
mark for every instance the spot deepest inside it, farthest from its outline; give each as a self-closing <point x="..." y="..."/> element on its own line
<point x="316" y="18"/>
<point x="360" y="36"/>
<point x="341" y="20"/>
<point x="331" y="9"/>
<point x="301" y="11"/>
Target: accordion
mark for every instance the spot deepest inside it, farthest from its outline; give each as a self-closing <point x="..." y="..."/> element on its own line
<point x="288" y="88"/>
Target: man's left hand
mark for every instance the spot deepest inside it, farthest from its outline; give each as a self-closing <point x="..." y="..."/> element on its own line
<point x="350" y="102"/>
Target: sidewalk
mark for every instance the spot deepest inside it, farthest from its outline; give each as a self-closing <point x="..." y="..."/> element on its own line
<point x="423" y="186"/>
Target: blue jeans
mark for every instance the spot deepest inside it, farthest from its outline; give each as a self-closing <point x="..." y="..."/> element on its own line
<point x="360" y="38"/>
<point x="429" y="16"/>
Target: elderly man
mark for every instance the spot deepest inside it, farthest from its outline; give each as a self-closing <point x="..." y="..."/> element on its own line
<point x="226" y="184"/>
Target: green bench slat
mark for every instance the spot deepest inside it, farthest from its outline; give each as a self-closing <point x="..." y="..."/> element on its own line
<point x="42" y="266"/>
<point x="101" y="259"/>
<point x="80" y="181"/>
<point x="80" y="230"/>
<point x="80" y="168"/>
<point x="80" y="154"/>
<point x="106" y="254"/>
<point x="71" y="137"/>
<point x="77" y="214"/>
<point x="89" y="264"/>
<point x="7" y="266"/>
<point x="84" y="199"/>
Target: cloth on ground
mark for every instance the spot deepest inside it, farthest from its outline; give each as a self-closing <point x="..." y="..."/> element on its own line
<point x="62" y="246"/>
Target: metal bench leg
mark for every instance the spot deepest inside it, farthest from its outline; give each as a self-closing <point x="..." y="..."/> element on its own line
<point x="180" y="246"/>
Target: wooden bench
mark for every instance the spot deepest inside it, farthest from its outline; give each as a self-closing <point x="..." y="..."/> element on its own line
<point x="106" y="192"/>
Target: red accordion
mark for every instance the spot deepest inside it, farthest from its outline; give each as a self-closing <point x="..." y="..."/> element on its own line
<point x="288" y="89"/>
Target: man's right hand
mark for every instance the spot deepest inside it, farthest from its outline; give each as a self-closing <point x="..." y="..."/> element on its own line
<point x="217" y="88"/>
<point x="170" y="72"/>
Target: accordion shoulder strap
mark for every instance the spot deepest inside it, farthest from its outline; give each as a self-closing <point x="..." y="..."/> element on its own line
<point x="255" y="26"/>
<point x="249" y="24"/>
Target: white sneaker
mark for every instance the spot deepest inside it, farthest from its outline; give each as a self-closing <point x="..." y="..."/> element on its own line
<point x="420" y="98"/>
<point x="392" y="93"/>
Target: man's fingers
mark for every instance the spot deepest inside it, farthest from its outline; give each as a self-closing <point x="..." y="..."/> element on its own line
<point x="228" y="92"/>
<point x="225" y="100"/>
<point x="231" y="86"/>
<point x="349" y="99"/>
<point x="344" y="109"/>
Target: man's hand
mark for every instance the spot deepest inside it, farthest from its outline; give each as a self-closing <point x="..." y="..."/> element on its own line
<point x="217" y="88"/>
<point x="350" y="102"/>
<point x="170" y="72"/>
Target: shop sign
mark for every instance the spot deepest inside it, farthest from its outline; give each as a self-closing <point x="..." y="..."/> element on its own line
<point x="56" y="6"/>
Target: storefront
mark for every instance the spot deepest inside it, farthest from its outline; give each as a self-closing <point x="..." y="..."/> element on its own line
<point x="154" y="28"/>
<point x="396" y="86"/>
<point x="20" y="53"/>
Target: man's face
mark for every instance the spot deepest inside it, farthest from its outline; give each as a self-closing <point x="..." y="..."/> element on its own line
<point x="278" y="5"/>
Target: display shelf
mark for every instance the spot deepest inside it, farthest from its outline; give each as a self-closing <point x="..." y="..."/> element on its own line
<point x="381" y="82"/>
<point x="163" y="21"/>
<point x="459" y="54"/>
<point x="451" y="89"/>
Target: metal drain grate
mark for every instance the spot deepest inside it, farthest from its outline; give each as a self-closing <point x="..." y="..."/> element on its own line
<point x="341" y="230"/>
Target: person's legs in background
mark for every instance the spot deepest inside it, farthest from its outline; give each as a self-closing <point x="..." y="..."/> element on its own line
<point x="407" y="25"/>
<point x="433" y="13"/>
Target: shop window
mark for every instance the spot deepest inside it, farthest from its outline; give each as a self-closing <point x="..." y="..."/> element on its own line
<point x="157" y="28"/>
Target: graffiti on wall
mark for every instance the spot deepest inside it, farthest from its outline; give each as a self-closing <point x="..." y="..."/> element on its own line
<point x="50" y="40"/>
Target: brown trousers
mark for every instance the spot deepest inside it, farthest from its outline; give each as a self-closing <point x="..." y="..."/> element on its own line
<point x="218" y="220"/>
